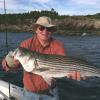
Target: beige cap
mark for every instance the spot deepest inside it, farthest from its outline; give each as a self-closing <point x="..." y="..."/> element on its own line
<point x="44" y="21"/>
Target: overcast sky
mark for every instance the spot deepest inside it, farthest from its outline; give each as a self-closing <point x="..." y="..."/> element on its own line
<point x="63" y="7"/>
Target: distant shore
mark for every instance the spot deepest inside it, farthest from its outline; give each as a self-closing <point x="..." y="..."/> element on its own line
<point x="66" y="25"/>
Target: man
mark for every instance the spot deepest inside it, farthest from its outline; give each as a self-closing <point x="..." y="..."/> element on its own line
<point x="35" y="86"/>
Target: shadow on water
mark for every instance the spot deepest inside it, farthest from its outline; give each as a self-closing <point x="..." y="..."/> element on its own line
<point x="14" y="78"/>
<point x="79" y="90"/>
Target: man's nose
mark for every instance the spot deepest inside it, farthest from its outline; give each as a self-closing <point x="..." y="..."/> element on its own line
<point x="45" y="31"/>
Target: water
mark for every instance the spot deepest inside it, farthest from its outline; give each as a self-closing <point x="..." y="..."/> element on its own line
<point x="83" y="47"/>
<point x="86" y="47"/>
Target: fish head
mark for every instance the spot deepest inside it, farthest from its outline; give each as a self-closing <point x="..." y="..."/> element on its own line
<point x="26" y="58"/>
<point x="20" y="53"/>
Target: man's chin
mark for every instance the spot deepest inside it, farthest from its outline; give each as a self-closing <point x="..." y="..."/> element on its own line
<point x="45" y="38"/>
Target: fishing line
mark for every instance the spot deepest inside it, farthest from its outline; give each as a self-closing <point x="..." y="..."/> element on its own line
<point x="6" y="26"/>
<point x="6" y="35"/>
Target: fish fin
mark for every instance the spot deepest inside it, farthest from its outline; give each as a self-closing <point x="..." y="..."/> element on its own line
<point x="47" y="79"/>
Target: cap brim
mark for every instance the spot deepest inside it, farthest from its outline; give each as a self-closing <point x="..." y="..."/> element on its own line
<point x="45" y="25"/>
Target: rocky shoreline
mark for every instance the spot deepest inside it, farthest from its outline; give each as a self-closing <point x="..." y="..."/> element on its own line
<point x="66" y="26"/>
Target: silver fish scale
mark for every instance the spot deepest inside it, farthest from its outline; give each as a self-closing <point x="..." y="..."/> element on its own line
<point x="68" y="67"/>
<point x="64" y="64"/>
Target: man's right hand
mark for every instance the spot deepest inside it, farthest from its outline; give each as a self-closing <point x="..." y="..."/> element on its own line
<point x="76" y="75"/>
<point x="10" y="60"/>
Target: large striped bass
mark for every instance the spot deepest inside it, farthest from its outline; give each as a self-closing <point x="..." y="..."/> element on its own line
<point x="48" y="65"/>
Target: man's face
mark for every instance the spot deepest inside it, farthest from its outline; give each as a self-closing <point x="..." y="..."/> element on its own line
<point x="44" y="33"/>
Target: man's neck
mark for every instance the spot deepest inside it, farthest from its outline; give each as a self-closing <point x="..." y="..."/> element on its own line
<point x="44" y="43"/>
